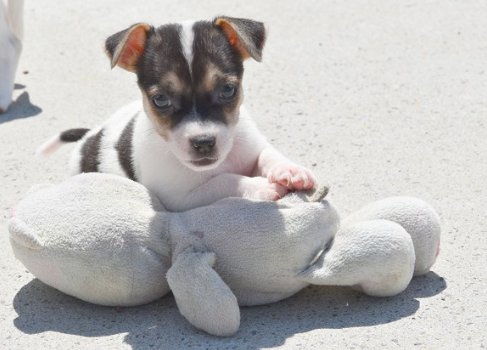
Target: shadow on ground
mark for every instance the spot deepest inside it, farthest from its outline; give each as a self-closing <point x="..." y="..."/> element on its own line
<point x="159" y="324"/>
<point x="21" y="108"/>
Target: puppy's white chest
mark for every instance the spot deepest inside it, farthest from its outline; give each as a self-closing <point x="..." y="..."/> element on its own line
<point x="158" y="169"/>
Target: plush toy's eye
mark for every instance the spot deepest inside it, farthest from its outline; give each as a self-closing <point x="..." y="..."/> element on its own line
<point x="228" y="92"/>
<point x="161" y="101"/>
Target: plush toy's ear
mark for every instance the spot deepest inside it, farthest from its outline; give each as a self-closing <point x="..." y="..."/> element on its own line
<point x="319" y="194"/>
<point x="201" y="295"/>
<point x="245" y="35"/>
<point x="125" y="48"/>
<point x="23" y="235"/>
<point x="316" y="195"/>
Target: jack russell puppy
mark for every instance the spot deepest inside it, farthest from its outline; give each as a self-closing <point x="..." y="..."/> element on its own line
<point x="189" y="140"/>
<point x="11" y="30"/>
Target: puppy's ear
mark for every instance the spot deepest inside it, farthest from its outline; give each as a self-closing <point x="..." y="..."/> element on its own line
<point x="125" y="48"/>
<point x="245" y="35"/>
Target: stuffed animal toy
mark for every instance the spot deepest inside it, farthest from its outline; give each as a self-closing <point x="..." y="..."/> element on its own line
<point x="105" y="239"/>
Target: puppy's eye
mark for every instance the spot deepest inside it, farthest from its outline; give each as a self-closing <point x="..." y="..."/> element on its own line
<point x="228" y="92"/>
<point x="161" y="101"/>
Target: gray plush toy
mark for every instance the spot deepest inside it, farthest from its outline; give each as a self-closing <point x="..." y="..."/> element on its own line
<point x="105" y="239"/>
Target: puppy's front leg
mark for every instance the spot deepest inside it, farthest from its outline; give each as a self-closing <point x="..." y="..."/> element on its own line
<point x="232" y="185"/>
<point x="280" y="170"/>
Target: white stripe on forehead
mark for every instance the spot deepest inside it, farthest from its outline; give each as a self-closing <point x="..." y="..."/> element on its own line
<point x="187" y="38"/>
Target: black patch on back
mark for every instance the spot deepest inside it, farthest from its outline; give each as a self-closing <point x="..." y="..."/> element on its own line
<point x="90" y="153"/>
<point x="73" y="135"/>
<point x="124" y="150"/>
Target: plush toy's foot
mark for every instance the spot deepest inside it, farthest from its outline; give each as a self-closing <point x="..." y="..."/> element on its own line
<point x="201" y="295"/>
<point x="376" y="257"/>
<point x="417" y="217"/>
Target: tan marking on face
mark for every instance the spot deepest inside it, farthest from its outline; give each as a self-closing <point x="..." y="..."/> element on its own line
<point x="162" y="125"/>
<point x="169" y="84"/>
<point x="211" y="77"/>
<point x="212" y="80"/>
<point x="153" y="90"/>
<point x="173" y="83"/>
<point x="232" y="110"/>
<point x="213" y="74"/>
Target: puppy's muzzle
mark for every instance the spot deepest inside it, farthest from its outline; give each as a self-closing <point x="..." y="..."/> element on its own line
<point x="203" y="145"/>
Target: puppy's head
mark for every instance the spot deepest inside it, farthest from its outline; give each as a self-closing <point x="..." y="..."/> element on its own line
<point x="190" y="76"/>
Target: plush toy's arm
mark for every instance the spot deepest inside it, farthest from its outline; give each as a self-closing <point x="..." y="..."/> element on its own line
<point x="201" y="295"/>
<point x="417" y="217"/>
<point x="376" y="257"/>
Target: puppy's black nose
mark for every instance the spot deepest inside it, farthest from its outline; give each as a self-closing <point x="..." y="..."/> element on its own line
<point x="203" y="144"/>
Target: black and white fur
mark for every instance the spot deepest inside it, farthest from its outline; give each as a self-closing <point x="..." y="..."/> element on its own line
<point x="201" y="145"/>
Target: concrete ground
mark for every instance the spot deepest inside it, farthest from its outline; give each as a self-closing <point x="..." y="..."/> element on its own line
<point x="380" y="98"/>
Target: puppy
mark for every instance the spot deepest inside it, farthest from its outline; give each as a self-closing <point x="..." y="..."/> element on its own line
<point x="189" y="140"/>
<point x="11" y="26"/>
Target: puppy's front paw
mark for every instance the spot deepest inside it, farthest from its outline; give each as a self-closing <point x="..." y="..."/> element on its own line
<point x="292" y="176"/>
<point x="260" y="188"/>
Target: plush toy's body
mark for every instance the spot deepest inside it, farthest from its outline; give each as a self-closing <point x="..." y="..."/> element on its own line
<point x="106" y="240"/>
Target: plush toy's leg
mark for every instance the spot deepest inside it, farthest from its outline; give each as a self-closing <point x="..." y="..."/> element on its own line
<point x="201" y="295"/>
<point x="416" y="216"/>
<point x="376" y="257"/>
